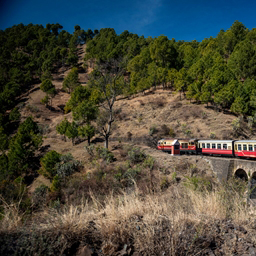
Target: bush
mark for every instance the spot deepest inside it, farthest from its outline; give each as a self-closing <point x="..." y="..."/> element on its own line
<point x="48" y="163"/>
<point x="56" y="183"/>
<point x="135" y="155"/>
<point x="105" y="154"/>
<point x="39" y="196"/>
<point x="198" y="183"/>
<point x="67" y="166"/>
<point x="152" y="130"/>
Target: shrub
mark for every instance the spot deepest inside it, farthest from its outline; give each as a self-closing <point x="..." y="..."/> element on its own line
<point x="67" y="166"/>
<point x="48" y="163"/>
<point x="39" y="196"/>
<point x="56" y="183"/>
<point x="212" y="135"/>
<point x="172" y="133"/>
<point x="149" y="162"/>
<point x="152" y="130"/>
<point x="105" y="154"/>
<point x="14" y="115"/>
<point x="198" y="183"/>
<point x="135" y="155"/>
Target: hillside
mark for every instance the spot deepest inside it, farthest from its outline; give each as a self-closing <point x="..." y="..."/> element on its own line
<point x="131" y="199"/>
<point x="136" y="116"/>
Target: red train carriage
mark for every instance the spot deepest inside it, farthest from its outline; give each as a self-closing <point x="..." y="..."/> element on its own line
<point x="188" y="146"/>
<point x="245" y="148"/>
<point x="216" y="147"/>
<point x="172" y="146"/>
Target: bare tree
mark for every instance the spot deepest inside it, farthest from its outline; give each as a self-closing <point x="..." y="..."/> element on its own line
<point x="109" y="81"/>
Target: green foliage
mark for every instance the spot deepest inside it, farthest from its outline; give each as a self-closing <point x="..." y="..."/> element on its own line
<point x="53" y="164"/>
<point x="62" y="127"/>
<point x="23" y="146"/>
<point x="198" y="184"/>
<point x="135" y="155"/>
<point x="39" y="196"/>
<point x="3" y="140"/>
<point x="80" y="94"/>
<point x="236" y="125"/>
<point x="172" y="133"/>
<point x="149" y="163"/>
<point x="86" y="111"/>
<point x="45" y="100"/>
<point x="72" y="131"/>
<point x="212" y="135"/>
<point x="71" y="80"/>
<point x="87" y="131"/>
<point x="66" y="166"/>
<point x="152" y="130"/>
<point x="48" y="163"/>
<point x="46" y="85"/>
<point x="14" y="115"/>
<point x="105" y="154"/>
<point x="56" y="183"/>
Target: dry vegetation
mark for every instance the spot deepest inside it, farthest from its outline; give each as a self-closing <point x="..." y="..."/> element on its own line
<point x="183" y="220"/>
<point x="139" y="202"/>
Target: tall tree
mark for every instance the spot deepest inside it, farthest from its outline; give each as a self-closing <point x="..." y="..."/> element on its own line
<point x="108" y="79"/>
<point x="71" y="81"/>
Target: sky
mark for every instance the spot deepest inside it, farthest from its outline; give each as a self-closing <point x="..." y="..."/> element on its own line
<point x="179" y="19"/>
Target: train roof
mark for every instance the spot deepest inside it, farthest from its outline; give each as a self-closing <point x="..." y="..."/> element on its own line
<point x="245" y="141"/>
<point x="173" y="141"/>
<point x="215" y="141"/>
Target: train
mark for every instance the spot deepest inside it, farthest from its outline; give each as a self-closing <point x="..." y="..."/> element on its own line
<point x="230" y="148"/>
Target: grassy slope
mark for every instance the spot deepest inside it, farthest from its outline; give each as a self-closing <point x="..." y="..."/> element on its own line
<point x="174" y="221"/>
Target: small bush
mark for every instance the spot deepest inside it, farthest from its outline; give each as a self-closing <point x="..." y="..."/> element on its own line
<point x="135" y="155"/>
<point x="105" y="154"/>
<point x="152" y="130"/>
<point x="32" y="108"/>
<point x="56" y="183"/>
<point x="172" y="133"/>
<point x="198" y="183"/>
<point x="67" y="166"/>
<point x="212" y="135"/>
<point x="39" y="196"/>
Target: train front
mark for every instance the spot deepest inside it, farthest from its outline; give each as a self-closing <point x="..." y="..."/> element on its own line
<point x="160" y="144"/>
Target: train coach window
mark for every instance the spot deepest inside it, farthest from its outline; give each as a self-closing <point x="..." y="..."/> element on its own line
<point x="225" y="146"/>
<point x="176" y="147"/>
<point x="213" y="145"/>
<point x="219" y="146"/>
<point x="164" y="142"/>
<point x="250" y="147"/>
<point x="208" y="145"/>
<point x="192" y="143"/>
<point x="203" y="145"/>
<point x="244" y="147"/>
<point x="239" y="147"/>
<point x="254" y="147"/>
<point x="184" y="145"/>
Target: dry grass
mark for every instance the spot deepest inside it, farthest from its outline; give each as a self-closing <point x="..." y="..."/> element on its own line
<point x="167" y="222"/>
<point x="11" y="217"/>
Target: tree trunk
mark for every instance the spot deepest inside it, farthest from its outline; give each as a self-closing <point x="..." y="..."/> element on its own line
<point x="106" y="142"/>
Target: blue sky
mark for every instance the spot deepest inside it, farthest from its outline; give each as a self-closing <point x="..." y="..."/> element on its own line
<point x="179" y="19"/>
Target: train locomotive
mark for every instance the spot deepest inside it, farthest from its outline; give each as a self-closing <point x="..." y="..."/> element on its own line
<point x="231" y="148"/>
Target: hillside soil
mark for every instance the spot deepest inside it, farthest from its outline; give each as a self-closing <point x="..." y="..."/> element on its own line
<point x="141" y="120"/>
